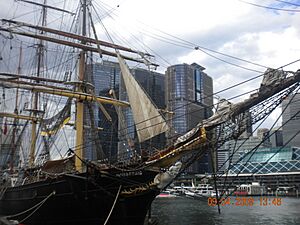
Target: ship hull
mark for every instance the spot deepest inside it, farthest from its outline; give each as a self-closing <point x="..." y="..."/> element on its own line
<point x="80" y="199"/>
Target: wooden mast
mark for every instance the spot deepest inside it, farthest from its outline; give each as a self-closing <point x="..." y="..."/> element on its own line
<point x="16" y="120"/>
<point x="79" y="94"/>
<point x="40" y="50"/>
<point x="18" y="76"/>
<point x="80" y="104"/>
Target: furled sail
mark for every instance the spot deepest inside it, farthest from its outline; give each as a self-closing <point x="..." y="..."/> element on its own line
<point x="56" y="122"/>
<point x="149" y="122"/>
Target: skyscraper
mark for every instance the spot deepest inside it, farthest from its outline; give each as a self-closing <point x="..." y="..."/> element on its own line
<point x="104" y="77"/>
<point x="276" y="137"/>
<point x="153" y="84"/>
<point x="225" y="151"/>
<point x="119" y="136"/>
<point x="291" y="120"/>
<point x="189" y="96"/>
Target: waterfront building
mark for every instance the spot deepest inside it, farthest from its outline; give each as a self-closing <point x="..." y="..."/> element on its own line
<point x="291" y="120"/>
<point x="232" y="151"/>
<point x="269" y="160"/>
<point x="189" y="95"/>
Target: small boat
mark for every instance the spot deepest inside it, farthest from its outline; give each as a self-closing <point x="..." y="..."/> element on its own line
<point x="167" y="194"/>
<point x="201" y="191"/>
<point x="253" y="189"/>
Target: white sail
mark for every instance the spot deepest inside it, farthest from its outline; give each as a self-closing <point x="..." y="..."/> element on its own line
<point x="148" y="120"/>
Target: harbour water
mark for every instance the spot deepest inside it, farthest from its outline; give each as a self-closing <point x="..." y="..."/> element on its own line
<point x="186" y="211"/>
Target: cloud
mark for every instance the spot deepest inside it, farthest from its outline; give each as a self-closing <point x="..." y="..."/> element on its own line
<point x="262" y="36"/>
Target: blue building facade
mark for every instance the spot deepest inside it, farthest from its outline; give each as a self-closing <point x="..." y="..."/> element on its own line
<point x="189" y="93"/>
<point x="269" y="160"/>
<point x="104" y="77"/>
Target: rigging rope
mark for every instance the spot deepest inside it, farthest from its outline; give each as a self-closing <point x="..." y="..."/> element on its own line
<point x="113" y="206"/>
<point x="34" y="208"/>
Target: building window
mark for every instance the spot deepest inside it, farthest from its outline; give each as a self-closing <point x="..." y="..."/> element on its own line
<point x="198" y="84"/>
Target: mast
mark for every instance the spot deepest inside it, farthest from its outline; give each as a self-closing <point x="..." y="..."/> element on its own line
<point x="16" y="120"/>
<point x="40" y="51"/>
<point x="79" y="103"/>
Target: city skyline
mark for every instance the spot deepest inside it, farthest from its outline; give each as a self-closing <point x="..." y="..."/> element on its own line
<point x="228" y="27"/>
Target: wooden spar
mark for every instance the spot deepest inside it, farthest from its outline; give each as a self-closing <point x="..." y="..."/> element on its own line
<point x="70" y="94"/>
<point x="32" y="118"/>
<point x="72" y="44"/>
<point x="76" y="36"/>
<point x="47" y="6"/>
<point x="20" y="117"/>
<point x="29" y="83"/>
<point x="18" y="76"/>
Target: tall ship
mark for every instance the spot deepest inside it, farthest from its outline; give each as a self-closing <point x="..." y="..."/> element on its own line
<point x="37" y="188"/>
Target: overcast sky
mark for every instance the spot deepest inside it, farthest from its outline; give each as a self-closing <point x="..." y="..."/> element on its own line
<point x="263" y="36"/>
<point x="171" y="29"/>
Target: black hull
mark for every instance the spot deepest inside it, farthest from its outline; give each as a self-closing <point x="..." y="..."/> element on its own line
<point x="79" y="200"/>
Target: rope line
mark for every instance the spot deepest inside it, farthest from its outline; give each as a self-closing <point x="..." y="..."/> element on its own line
<point x="113" y="206"/>
<point x="34" y="208"/>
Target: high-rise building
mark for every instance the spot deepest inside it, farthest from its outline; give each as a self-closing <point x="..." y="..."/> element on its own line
<point x="263" y="133"/>
<point x="104" y="77"/>
<point x="153" y="84"/>
<point x="276" y="137"/>
<point x="189" y="95"/>
<point x="224" y="152"/>
<point x="120" y="135"/>
<point x="246" y="125"/>
<point x="291" y="120"/>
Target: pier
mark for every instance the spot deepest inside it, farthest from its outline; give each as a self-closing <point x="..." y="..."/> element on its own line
<point x="272" y="181"/>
